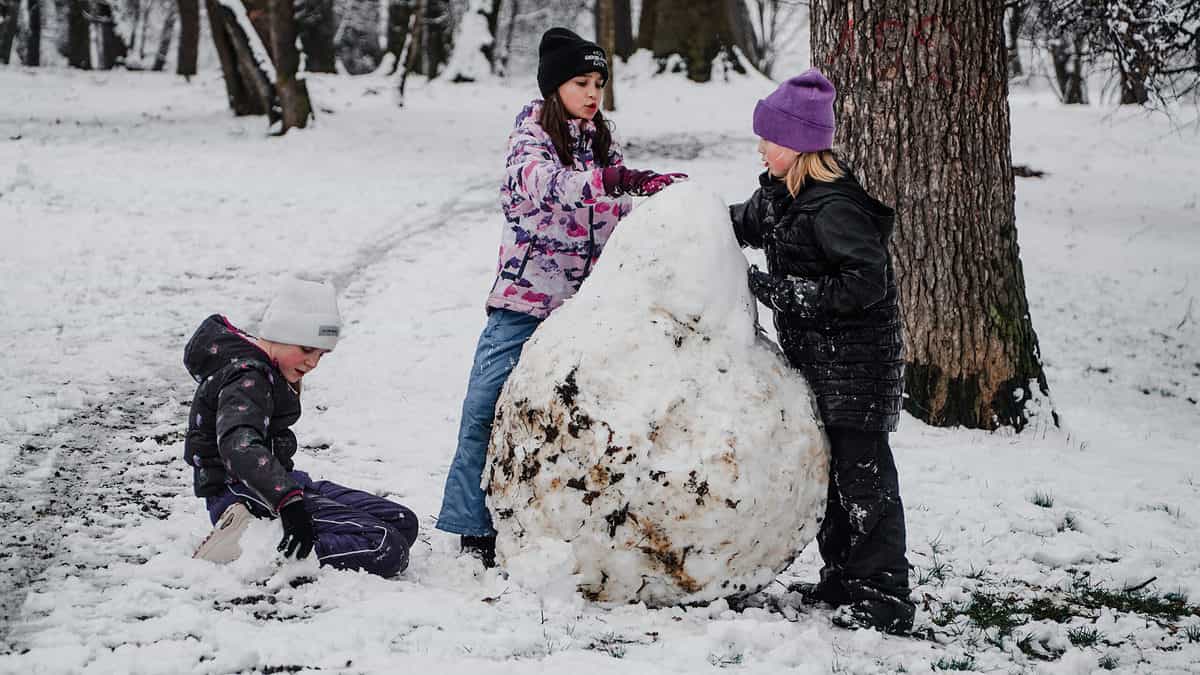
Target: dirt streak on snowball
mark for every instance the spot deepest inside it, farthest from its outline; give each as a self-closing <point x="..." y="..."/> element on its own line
<point x="650" y="425"/>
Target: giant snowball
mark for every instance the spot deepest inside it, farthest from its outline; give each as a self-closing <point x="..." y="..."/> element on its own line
<point x="651" y="431"/>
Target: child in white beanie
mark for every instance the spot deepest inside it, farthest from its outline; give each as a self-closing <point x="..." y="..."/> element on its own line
<point x="240" y="444"/>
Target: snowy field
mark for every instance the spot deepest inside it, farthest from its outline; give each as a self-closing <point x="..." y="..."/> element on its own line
<point x="132" y="205"/>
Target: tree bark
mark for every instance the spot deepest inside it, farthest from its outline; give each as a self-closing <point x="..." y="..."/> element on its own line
<point x="292" y="91"/>
<point x="317" y="27"/>
<point x="33" y="42"/>
<point x="701" y="31"/>
<point x="9" y="11"/>
<point x="358" y="43"/>
<point x="625" y="44"/>
<point x="923" y="114"/>
<point x="400" y="14"/>
<point x="1133" y="59"/>
<point x="1068" y="70"/>
<point x="189" y="37"/>
<point x="606" y="37"/>
<point x="164" y="38"/>
<point x="79" y="52"/>
<point x="647" y="24"/>
<point x="247" y="87"/>
<point x="1016" y="20"/>
<point x="112" y="47"/>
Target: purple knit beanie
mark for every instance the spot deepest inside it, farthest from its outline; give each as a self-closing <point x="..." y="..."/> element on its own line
<point x="799" y="114"/>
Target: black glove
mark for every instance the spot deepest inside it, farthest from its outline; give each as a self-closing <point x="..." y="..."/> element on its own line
<point x="793" y="295"/>
<point x="298" y="532"/>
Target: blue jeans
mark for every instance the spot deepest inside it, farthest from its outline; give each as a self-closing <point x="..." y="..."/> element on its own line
<point x="499" y="349"/>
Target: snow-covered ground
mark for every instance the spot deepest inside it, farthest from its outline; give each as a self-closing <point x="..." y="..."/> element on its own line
<point x="132" y="205"/>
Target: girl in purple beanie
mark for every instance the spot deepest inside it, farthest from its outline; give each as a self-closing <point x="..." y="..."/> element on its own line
<point x="565" y="190"/>
<point x="831" y="286"/>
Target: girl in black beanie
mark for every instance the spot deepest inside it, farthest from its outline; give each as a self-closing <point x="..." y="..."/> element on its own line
<point x="565" y="191"/>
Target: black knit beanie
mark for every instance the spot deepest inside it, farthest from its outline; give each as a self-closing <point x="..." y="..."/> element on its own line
<point x="563" y="55"/>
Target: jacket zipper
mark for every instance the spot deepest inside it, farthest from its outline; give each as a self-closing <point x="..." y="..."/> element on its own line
<point x="591" y="240"/>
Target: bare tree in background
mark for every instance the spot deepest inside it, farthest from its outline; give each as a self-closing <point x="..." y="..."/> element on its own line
<point x="78" y="35"/>
<point x="922" y="112"/>
<point x="189" y="37"/>
<point x="292" y="91"/>
<point x="1015" y="12"/>
<point x="607" y="21"/>
<point x="1152" y="47"/>
<point x="164" y="38"/>
<point x="777" y="24"/>
<point x="701" y="32"/>
<point x="316" y="24"/>
<point x="357" y="39"/>
<point x="31" y="52"/>
<point x="9" y="12"/>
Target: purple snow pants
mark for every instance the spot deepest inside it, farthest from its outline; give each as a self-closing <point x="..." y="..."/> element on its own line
<point x="355" y="530"/>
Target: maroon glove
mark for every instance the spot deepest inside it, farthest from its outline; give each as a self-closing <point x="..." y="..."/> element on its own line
<point x="621" y="181"/>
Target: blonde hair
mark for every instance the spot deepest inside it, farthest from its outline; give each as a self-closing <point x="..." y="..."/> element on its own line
<point x="821" y="166"/>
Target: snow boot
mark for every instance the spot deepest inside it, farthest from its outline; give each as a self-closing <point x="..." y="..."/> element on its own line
<point x="888" y="615"/>
<point x="221" y="545"/>
<point x="482" y="548"/>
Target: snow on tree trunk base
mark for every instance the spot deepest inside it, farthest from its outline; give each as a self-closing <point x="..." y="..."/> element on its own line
<point x="652" y="445"/>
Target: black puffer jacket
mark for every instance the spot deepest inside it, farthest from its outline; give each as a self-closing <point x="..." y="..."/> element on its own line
<point x="239" y="425"/>
<point x="828" y="249"/>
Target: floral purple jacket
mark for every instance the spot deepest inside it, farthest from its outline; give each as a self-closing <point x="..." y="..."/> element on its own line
<point x="558" y="217"/>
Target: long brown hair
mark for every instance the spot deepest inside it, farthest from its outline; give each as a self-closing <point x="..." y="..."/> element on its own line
<point x="554" y="120"/>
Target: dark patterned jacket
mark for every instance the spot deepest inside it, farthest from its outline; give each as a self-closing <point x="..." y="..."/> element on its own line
<point x="239" y="424"/>
<point x="837" y="310"/>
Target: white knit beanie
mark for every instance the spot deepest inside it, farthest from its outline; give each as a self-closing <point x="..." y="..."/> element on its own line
<point x="303" y="313"/>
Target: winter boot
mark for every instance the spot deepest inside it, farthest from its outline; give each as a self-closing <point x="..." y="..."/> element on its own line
<point x="887" y="615"/>
<point x="483" y="548"/>
<point x="221" y="545"/>
<point x="828" y="592"/>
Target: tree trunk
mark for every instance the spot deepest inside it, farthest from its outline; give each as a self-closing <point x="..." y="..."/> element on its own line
<point x="79" y="51"/>
<point x="33" y="41"/>
<point x="1133" y="60"/>
<point x="1016" y="19"/>
<point x="10" y="10"/>
<point x="430" y="48"/>
<point x="492" y="16"/>
<point x="112" y="47"/>
<point x="400" y="14"/>
<point x="358" y="42"/>
<point x="292" y="92"/>
<point x="1068" y="70"/>
<point x="700" y="32"/>
<point x="248" y="89"/>
<point x="647" y="23"/>
<point x="1133" y="83"/>
<point x="625" y="44"/>
<point x="437" y="36"/>
<point x="189" y="37"/>
<point x="606" y="37"/>
<point x="922" y="112"/>
<point x="317" y="27"/>
<point x="164" y="38"/>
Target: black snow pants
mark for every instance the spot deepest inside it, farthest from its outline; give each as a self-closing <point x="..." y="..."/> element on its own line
<point x="862" y="539"/>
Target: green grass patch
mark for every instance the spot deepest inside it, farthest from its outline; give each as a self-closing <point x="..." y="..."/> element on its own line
<point x="955" y="663"/>
<point x="1042" y="498"/>
<point x="1084" y="636"/>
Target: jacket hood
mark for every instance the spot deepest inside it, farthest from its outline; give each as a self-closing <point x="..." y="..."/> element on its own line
<point x="215" y="344"/>
<point x="816" y="194"/>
